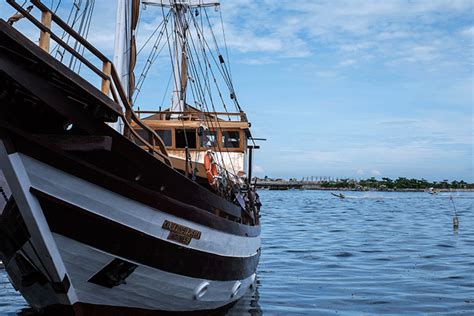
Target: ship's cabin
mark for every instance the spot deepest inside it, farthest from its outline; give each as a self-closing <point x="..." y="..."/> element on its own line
<point x="189" y="135"/>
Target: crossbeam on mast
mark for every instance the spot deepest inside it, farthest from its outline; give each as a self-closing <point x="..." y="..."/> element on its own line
<point x="188" y="3"/>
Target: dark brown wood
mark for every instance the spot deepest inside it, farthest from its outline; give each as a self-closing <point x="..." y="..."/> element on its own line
<point x="45" y="92"/>
<point x="131" y="116"/>
<point x="57" y="39"/>
<point x="77" y="142"/>
<point x="33" y="52"/>
<point x="211" y="203"/>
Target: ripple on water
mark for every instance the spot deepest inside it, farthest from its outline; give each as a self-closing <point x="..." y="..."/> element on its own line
<point x="372" y="253"/>
<point x="343" y="254"/>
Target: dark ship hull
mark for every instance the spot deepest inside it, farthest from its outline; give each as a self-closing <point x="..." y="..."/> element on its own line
<point x="94" y="221"/>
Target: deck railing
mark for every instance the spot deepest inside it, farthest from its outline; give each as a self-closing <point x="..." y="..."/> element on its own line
<point x="190" y="115"/>
<point x="110" y="80"/>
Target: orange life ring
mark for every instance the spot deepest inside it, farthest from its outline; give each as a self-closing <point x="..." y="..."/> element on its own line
<point x="211" y="169"/>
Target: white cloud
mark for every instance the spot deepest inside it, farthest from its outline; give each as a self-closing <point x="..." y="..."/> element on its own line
<point x="468" y="32"/>
<point x="375" y="173"/>
<point x="347" y="62"/>
<point x="258" y="169"/>
<point x="257" y="61"/>
<point x="395" y="32"/>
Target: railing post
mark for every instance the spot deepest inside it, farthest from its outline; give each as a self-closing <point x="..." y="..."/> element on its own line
<point x="106" y="69"/>
<point x="151" y="140"/>
<point x="45" y="36"/>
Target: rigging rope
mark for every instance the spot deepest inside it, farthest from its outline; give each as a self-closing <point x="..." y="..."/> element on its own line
<point x="154" y="53"/>
<point x="200" y="68"/>
<point x="84" y="31"/>
<point x="225" y="43"/>
<point x="209" y="90"/>
<point x="220" y="66"/>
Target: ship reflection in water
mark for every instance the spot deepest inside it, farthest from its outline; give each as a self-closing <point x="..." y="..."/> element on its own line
<point x="247" y="305"/>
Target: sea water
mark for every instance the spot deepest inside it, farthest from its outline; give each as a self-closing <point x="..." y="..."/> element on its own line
<point x="370" y="253"/>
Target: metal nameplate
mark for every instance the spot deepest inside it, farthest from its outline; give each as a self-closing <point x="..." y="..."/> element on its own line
<point x="180" y="233"/>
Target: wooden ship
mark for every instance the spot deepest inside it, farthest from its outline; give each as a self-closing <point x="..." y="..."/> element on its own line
<point x="111" y="210"/>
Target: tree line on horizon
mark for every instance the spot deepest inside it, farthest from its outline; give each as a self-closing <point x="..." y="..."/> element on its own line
<point x="387" y="183"/>
<point x="399" y="183"/>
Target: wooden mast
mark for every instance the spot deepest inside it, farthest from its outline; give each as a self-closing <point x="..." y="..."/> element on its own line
<point x="180" y="64"/>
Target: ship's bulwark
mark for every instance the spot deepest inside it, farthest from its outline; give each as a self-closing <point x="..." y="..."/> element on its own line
<point x="167" y="274"/>
<point x="85" y="227"/>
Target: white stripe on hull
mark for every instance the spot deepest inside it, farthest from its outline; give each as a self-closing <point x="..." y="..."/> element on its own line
<point x="145" y="288"/>
<point x="132" y="213"/>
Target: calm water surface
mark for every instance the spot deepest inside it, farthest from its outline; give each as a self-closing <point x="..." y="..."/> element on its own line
<point x="371" y="253"/>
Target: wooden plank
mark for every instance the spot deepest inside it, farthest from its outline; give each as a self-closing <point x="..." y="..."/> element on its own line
<point x="130" y="117"/>
<point x="34" y="52"/>
<point x="78" y="142"/>
<point x="106" y="69"/>
<point x="45" y="37"/>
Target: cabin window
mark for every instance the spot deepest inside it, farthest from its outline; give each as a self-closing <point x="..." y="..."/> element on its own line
<point x="209" y="139"/>
<point x="165" y="135"/>
<point x="231" y="139"/>
<point x="185" y="137"/>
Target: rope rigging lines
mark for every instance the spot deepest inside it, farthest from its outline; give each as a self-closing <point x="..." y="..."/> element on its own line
<point x="153" y="55"/>
<point x="201" y="29"/>
<point x="203" y="70"/>
<point x="79" y="18"/>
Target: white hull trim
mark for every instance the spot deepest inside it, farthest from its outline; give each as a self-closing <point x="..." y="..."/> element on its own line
<point x="131" y="213"/>
<point x="146" y="287"/>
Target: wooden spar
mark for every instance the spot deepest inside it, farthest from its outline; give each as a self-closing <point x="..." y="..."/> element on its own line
<point x="45" y="37"/>
<point x="184" y="71"/>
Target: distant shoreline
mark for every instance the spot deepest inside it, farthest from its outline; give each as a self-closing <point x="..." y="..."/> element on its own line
<point x="282" y="188"/>
<point x="371" y="184"/>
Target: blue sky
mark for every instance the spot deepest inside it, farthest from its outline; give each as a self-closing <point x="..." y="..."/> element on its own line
<point x="345" y="88"/>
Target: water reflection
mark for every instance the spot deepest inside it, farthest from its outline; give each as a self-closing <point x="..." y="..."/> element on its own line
<point x="248" y="305"/>
<point x="371" y="253"/>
